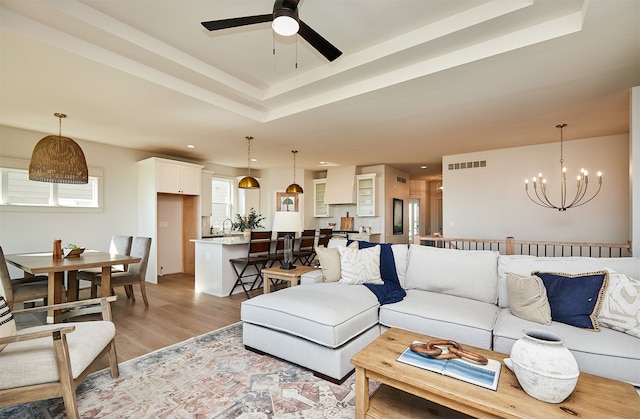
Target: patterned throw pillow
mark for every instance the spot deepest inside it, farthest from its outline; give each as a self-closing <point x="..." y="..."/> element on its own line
<point x="528" y="298"/>
<point x="7" y="324"/>
<point x="360" y="265"/>
<point x="621" y="304"/>
<point x="575" y="299"/>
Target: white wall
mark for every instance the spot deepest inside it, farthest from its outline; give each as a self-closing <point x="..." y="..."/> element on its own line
<point x="25" y="231"/>
<point x="491" y="202"/>
<point x="634" y="175"/>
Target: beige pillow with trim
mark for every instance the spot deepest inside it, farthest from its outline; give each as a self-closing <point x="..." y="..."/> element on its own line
<point x="528" y="298"/>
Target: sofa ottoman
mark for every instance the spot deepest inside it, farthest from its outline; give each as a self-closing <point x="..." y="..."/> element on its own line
<point x="318" y="326"/>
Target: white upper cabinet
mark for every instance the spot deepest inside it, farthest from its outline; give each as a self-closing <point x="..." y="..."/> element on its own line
<point x="366" y="195"/>
<point x="178" y="177"/>
<point x="320" y="209"/>
<point x="206" y="196"/>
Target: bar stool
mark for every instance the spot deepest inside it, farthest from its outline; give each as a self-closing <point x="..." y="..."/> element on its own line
<point x="258" y="256"/>
<point x="305" y="253"/>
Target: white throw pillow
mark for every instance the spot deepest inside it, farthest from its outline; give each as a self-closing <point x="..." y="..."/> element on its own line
<point x="621" y="304"/>
<point x="360" y="265"/>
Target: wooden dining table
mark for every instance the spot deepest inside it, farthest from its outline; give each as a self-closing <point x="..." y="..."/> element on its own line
<point x="44" y="263"/>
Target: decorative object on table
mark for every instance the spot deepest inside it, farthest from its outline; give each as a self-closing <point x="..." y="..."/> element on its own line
<point x="250" y="221"/>
<point x="462" y="366"/>
<point x="331" y="225"/>
<point x="58" y="159"/>
<point x="544" y="367"/>
<point x="72" y="251"/>
<point x="294" y="187"/>
<point x="249" y="182"/>
<point x="57" y="249"/>
<point x="433" y="348"/>
<point x="541" y="197"/>
<point x="287" y="222"/>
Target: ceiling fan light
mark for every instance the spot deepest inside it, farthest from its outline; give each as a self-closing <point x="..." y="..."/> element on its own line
<point x="285" y="22"/>
<point x="248" y="182"/>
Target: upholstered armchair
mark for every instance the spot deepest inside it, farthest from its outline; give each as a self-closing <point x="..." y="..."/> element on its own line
<point x="42" y="362"/>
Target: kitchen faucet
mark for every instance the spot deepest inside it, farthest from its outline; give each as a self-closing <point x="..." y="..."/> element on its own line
<point x="225" y="220"/>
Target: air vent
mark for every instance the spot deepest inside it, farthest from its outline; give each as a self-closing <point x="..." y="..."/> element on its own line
<point x="401" y="179"/>
<point x="467" y="165"/>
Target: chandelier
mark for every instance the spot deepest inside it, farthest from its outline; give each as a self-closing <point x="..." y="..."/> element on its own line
<point x="540" y="185"/>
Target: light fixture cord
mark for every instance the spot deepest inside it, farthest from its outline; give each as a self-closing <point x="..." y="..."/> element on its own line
<point x="249" y="154"/>
<point x="294" y="165"/>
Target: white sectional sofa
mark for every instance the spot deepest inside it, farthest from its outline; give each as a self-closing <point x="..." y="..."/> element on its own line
<point x="452" y="294"/>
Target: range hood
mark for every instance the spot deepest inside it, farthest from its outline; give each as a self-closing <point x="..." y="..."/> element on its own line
<point x="340" y="187"/>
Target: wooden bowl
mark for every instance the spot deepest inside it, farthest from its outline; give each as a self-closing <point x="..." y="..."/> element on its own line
<point x="70" y="253"/>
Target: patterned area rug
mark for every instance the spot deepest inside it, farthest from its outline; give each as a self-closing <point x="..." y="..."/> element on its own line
<point x="209" y="376"/>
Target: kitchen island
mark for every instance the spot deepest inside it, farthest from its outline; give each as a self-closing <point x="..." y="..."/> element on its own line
<point x="214" y="274"/>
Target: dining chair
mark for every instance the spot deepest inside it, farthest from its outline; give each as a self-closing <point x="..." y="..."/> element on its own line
<point x="42" y="362"/>
<point x="257" y="256"/>
<point x="119" y="244"/>
<point x="277" y="250"/>
<point x="23" y="289"/>
<point x="135" y="273"/>
<point x="305" y="253"/>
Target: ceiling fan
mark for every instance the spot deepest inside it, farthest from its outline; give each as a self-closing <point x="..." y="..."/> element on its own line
<point x="285" y="21"/>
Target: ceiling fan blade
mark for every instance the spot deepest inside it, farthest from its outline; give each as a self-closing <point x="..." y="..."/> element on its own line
<point x="323" y="46"/>
<point x="234" y="22"/>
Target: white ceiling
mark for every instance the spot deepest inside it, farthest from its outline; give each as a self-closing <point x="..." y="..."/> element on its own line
<point x="418" y="79"/>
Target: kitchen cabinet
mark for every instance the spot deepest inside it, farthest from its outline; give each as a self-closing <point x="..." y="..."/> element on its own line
<point x="320" y="209"/>
<point x="206" y="197"/>
<point x="366" y="195"/>
<point x="178" y="177"/>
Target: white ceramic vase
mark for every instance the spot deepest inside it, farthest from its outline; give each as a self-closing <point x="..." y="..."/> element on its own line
<point x="247" y="233"/>
<point x="545" y="368"/>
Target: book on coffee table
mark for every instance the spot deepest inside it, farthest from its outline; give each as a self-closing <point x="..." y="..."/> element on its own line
<point x="461" y="369"/>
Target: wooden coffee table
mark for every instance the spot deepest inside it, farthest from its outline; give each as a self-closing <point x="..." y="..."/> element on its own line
<point x="594" y="397"/>
<point x="291" y="275"/>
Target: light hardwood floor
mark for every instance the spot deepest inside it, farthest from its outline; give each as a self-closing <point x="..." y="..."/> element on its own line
<point x="175" y="313"/>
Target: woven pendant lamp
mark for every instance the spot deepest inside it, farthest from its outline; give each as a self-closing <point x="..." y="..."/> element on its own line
<point x="294" y="187"/>
<point x="58" y="159"/>
<point x="249" y="182"/>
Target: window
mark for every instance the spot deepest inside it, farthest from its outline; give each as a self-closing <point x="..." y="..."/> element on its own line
<point x="222" y="202"/>
<point x="17" y="191"/>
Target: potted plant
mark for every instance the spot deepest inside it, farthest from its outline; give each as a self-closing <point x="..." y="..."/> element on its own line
<point x="248" y="222"/>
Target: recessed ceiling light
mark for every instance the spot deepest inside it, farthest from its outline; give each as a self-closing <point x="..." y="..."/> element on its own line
<point x="190" y="146"/>
<point x="423" y="166"/>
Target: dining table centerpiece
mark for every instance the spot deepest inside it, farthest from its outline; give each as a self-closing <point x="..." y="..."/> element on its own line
<point x="247" y="223"/>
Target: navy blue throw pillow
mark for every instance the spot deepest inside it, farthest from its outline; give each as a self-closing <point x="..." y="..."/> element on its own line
<point x="575" y="299"/>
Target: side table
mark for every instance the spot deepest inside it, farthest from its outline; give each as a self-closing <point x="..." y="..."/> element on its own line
<point x="291" y="275"/>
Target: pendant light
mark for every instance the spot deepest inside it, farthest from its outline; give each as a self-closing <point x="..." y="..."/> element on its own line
<point x="58" y="159"/>
<point x="249" y="182"/>
<point x="294" y="187"/>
